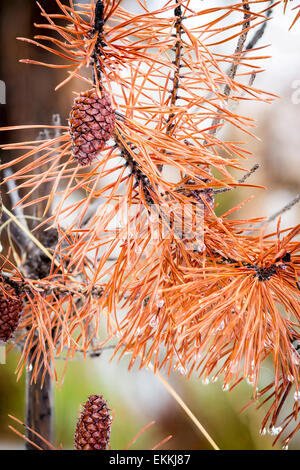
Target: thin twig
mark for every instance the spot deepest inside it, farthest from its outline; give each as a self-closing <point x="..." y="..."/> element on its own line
<point x="284" y="209"/>
<point x="260" y="32"/>
<point x="251" y="44"/>
<point x="177" y="63"/>
<point x="45" y="189"/>
<point x="240" y="181"/>
<point x="98" y="30"/>
<point x="238" y="54"/>
<point x="18" y="236"/>
<point x="14" y="195"/>
<point x="29" y="234"/>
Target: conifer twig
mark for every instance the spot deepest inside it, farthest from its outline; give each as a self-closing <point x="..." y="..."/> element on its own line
<point x="177" y="63"/>
<point x="29" y="235"/>
<point x="238" y="54"/>
<point x="284" y="209"/>
<point x="240" y="181"/>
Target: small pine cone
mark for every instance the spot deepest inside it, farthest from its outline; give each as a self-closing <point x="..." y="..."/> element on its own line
<point x="93" y="427"/>
<point x="11" y="308"/>
<point x="91" y="123"/>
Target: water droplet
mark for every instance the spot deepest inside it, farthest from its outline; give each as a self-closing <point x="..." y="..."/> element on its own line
<point x="233" y="367"/>
<point x="181" y="370"/>
<point x="263" y="431"/>
<point x="290" y="378"/>
<point x="250" y="380"/>
<point x="297" y="396"/>
<point x="198" y="356"/>
<point x="200" y="248"/>
<point x="214" y="379"/>
<point x="225" y="387"/>
<point x="295" y="358"/>
<point x="154" y="322"/>
<point x="138" y="249"/>
<point x="206" y="381"/>
<point x="221" y="326"/>
<point x="160" y="303"/>
<point x="286" y="447"/>
<point x="274" y="431"/>
<point x="155" y="235"/>
<point x="153" y="217"/>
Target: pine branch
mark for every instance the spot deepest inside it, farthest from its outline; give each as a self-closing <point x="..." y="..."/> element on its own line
<point x="284" y="209"/>
<point x="240" y="181"/>
<point x="14" y="196"/>
<point x="260" y="32"/>
<point x="238" y="54"/>
<point x="98" y="31"/>
<point x="177" y="63"/>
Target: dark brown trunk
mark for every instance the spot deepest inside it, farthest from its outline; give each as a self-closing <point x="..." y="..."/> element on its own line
<point x="39" y="409"/>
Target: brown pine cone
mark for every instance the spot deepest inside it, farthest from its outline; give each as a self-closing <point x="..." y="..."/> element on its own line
<point x="91" y="123"/>
<point x="11" y="308"/>
<point x="93" y="427"/>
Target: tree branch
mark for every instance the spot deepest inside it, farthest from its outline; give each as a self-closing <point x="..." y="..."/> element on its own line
<point x="284" y="209"/>
<point x="240" y="181"/>
<point x="177" y="63"/>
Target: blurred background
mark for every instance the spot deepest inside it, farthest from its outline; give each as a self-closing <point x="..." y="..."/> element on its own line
<point x="138" y="397"/>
